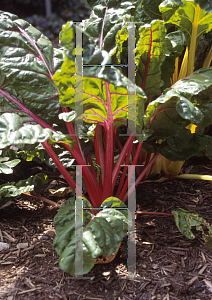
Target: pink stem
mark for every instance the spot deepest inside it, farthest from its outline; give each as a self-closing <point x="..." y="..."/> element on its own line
<point x="95" y="200"/>
<point x="27" y="111"/>
<point x="124" y="172"/>
<point x="90" y="181"/>
<point x="60" y="166"/>
<point x="124" y="189"/>
<point x="140" y="177"/>
<point x="152" y="213"/>
<point x="118" y="142"/>
<point x="37" y="49"/>
<point x="71" y="131"/>
<point x="109" y="155"/>
<point x="99" y="149"/>
<point x="121" y="158"/>
<point x="91" y="164"/>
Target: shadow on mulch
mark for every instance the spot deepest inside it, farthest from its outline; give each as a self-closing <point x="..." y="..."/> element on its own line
<point x="168" y="265"/>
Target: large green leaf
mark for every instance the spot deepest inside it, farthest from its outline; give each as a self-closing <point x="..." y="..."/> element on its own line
<point x="185" y="220"/>
<point x="185" y="17"/>
<point x="39" y="154"/>
<point x="203" y="48"/>
<point x="66" y="215"/>
<point x="121" y="37"/>
<point x="207" y="113"/>
<point x="14" y="132"/>
<point x="150" y="54"/>
<point x="101" y="234"/>
<point x="205" y="5"/>
<point x="105" y="94"/>
<point x="13" y="189"/>
<point x="175" y="44"/>
<point x="106" y="19"/>
<point x="151" y="9"/>
<point x="6" y="165"/>
<point x="27" y="64"/>
<point x="184" y="103"/>
<point x="183" y="146"/>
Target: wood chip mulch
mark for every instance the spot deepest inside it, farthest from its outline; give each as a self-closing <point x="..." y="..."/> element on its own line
<point x="168" y="265"/>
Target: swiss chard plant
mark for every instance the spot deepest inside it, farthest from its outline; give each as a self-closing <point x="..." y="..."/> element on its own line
<point x="75" y="100"/>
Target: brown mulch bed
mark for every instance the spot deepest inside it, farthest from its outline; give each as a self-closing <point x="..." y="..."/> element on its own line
<point x="168" y="265"/>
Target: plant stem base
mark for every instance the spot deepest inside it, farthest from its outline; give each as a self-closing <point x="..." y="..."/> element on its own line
<point x="106" y="259"/>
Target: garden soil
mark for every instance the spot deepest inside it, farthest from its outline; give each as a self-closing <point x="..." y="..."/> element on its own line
<point x="168" y="265"/>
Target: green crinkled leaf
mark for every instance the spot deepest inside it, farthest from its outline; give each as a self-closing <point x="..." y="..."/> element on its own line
<point x="167" y="70"/>
<point x="104" y="235"/>
<point x="197" y="89"/>
<point x="6" y="165"/>
<point x="181" y="105"/>
<point x="185" y="220"/>
<point x="183" y="17"/>
<point x="104" y="92"/>
<point x="10" y="190"/>
<point x="162" y="118"/>
<point x="14" y="132"/>
<point x="118" y="205"/>
<point x="101" y="234"/>
<point x="60" y="138"/>
<point x="68" y="117"/>
<point x="13" y="189"/>
<point x="180" y="140"/>
<point x="85" y="131"/>
<point x="39" y="154"/>
<point x="121" y="37"/>
<point x="27" y="64"/>
<point x="68" y="259"/>
<point x="38" y="180"/>
<point x="175" y="44"/>
<point x="66" y="214"/>
<point x="106" y="19"/>
<point x="140" y="14"/>
<point x="150" y="54"/>
<point x="207" y="113"/>
<point x="195" y="146"/>
<point x="151" y="9"/>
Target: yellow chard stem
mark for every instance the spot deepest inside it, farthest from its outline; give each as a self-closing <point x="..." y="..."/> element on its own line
<point x="175" y="75"/>
<point x="208" y="59"/>
<point x="192" y="48"/>
<point x="184" y="66"/>
<point x="193" y="176"/>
